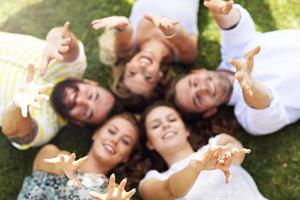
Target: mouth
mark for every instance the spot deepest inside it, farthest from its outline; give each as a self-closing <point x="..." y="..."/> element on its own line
<point x="109" y="148"/>
<point x="169" y="134"/>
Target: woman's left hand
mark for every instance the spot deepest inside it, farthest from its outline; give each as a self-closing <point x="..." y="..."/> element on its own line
<point x="115" y="192"/>
<point x="166" y="25"/>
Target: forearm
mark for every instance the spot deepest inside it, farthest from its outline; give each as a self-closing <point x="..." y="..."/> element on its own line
<point x="186" y="45"/>
<point x="123" y="38"/>
<point x="261" y="97"/>
<point x="14" y="125"/>
<point x="54" y="37"/>
<point x="181" y="182"/>
<point x="229" y="20"/>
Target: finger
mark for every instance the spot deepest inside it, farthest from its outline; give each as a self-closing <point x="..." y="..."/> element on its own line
<point x="35" y="105"/>
<point x="236" y="63"/>
<point x="111" y="184"/>
<point x="239" y="76"/>
<point x="121" y="188"/>
<point x="98" y="26"/>
<point x="96" y="195"/>
<point x="66" y="29"/>
<point x="253" y="52"/>
<point x="148" y="17"/>
<point x="76" y="183"/>
<point x="227" y="175"/>
<point x="45" y="87"/>
<point x="42" y="97"/>
<point x="66" y="41"/>
<point x="129" y="194"/>
<point x="63" y="49"/>
<point x="24" y="110"/>
<point x="30" y="75"/>
<point x="244" y="150"/>
<point x="80" y="161"/>
<point x="52" y="160"/>
<point x="45" y="63"/>
<point x="58" y="57"/>
<point x="71" y="158"/>
<point x="227" y="8"/>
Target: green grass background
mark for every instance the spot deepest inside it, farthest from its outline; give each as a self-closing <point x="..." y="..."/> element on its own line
<point x="274" y="161"/>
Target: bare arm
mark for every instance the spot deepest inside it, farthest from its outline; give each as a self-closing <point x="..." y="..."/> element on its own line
<point x="255" y="94"/>
<point x="223" y="12"/>
<point x="185" y="43"/>
<point x="123" y="32"/>
<point x="62" y="45"/>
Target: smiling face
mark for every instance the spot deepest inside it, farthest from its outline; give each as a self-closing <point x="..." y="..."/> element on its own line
<point x="142" y="73"/>
<point x="202" y="91"/>
<point x="165" y="129"/>
<point x="88" y="103"/>
<point x="114" y="141"/>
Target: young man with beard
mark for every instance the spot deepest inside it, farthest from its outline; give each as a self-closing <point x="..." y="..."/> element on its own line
<point x="262" y="94"/>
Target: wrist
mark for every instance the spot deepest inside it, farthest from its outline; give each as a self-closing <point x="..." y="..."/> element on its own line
<point x="195" y="166"/>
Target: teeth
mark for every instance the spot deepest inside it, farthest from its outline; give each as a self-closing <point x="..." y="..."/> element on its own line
<point x="109" y="148"/>
<point x="168" y="135"/>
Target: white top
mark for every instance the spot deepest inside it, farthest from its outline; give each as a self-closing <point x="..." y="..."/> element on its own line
<point x="277" y="66"/>
<point x="186" y="12"/>
<point x="16" y="52"/>
<point x="210" y="185"/>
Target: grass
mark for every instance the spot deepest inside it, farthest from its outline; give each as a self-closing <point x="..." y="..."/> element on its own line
<point x="274" y="161"/>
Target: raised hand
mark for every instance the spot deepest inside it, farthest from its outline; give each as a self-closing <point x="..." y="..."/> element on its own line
<point x="115" y="192"/>
<point x="244" y="68"/>
<point x="69" y="166"/>
<point x="56" y="48"/>
<point x="166" y="25"/>
<point x="119" y="22"/>
<point x="30" y="94"/>
<point x="220" y="157"/>
<point x="219" y="6"/>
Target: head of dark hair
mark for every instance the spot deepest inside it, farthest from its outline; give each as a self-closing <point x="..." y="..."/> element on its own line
<point x="58" y="95"/>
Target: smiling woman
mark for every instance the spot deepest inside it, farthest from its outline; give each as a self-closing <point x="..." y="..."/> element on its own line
<point x="114" y="143"/>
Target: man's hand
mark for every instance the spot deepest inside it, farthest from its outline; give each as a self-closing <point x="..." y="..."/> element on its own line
<point x="166" y="25"/>
<point x="30" y="94"/>
<point x="118" y="22"/>
<point x="220" y="157"/>
<point x="244" y="68"/>
<point x="56" y="49"/>
<point x="219" y="7"/>
<point x="114" y="192"/>
<point x="69" y="166"/>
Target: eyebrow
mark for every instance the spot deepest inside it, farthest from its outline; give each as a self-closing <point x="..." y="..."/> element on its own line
<point x="70" y="107"/>
<point x="115" y="127"/>
<point x="190" y="83"/>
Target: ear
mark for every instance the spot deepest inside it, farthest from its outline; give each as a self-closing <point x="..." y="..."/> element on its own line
<point x="187" y="133"/>
<point x="89" y="81"/>
<point x="150" y="145"/>
<point x="195" y="71"/>
<point x="209" y="113"/>
<point x="125" y="160"/>
<point x="76" y="122"/>
<point x="160" y="75"/>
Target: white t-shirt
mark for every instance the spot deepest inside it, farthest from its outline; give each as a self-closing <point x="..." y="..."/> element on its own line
<point x="16" y="52"/>
<point x="210" y="185"/>
<point x="277" y="67"/>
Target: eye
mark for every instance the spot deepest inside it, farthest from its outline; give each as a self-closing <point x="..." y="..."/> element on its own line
<point x="155" y="125"/>
<point x="131" y="72"/>
<point x="148" y="77"/>
<point x="111" y="131"/>
<point x="172" y="118"/>
<point x="90" y="96"/>
<point x="126" y="141"/>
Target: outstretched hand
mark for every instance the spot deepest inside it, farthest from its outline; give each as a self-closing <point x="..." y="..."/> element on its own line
<point x="30" y="94"/>
<point x="119" y="22"/>
<point x="114" y="192"/>
<point x="166" y="25"/>
<point x="56" y="49"/>
<point x="244" y="68"/>
<point x="220" y="157"/>
<point x="219" y="6"/>
<point x="69" y="166"/>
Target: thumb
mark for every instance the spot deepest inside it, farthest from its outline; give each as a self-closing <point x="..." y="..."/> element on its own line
<point x="45" y="63"/>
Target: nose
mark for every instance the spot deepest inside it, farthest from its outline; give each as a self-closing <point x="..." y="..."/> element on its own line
<point x="114" y="139"/>
<point x="81" y="101"/>
<point x="166" y="124"/>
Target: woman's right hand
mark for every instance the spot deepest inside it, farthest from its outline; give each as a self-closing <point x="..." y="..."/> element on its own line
<point x="115" y="192"/>
<point x="118" y="22"/>
<point x="220" y="157"/>
<point x="219" y="7"/>
<point x="69" y="166"/>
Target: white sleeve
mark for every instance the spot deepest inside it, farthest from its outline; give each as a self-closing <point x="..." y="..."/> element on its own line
<point x="233" y="41"/>
<point x="262" y="121"/>
<point x="152" y="174"/>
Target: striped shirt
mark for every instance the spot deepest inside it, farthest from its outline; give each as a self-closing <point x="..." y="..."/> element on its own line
<point x="16" y="52"/>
